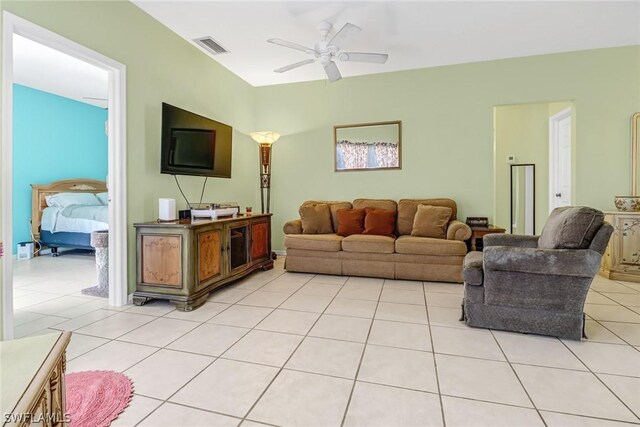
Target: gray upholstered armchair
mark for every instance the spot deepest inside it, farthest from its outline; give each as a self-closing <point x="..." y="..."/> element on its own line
<point x="537" y="284"/>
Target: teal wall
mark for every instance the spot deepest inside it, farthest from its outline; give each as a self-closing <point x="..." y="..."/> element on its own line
<point x="54" y="138"/>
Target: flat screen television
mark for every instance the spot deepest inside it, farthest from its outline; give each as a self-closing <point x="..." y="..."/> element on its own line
<point x="194" y="145"/>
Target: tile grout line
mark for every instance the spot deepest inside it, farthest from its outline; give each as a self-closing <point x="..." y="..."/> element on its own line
<point x="535" y="407"/>
<point x="235" y="342"/>
<point x="626" y="343"/>
<point x="435" y="361"/>
<point x="602" y="382"/>
<point x="364" y="349"/>
<point x="281" y="368"/>
<point x="203" y="369"/>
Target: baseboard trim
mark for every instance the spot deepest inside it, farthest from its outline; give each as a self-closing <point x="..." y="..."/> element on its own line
<point x="281" y="252"/>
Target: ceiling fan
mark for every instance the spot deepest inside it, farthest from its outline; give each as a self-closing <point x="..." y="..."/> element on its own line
<point x="326" y="52"/>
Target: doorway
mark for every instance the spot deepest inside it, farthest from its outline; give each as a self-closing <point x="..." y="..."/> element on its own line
<point x="560" y="159"/>
<point x="14" y="27"/>
<point x="524" y="134"/>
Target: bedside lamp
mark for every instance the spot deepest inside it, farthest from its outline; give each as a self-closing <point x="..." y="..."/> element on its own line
<point x="265" y="139"/>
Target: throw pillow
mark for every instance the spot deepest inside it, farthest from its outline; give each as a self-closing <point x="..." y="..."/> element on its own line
<point x="570" y="227"/>
<point x="431" y="221"/>
<point x="316" y="219"/>
<point x="350" y="221"/>
<point x="379" y="222"/>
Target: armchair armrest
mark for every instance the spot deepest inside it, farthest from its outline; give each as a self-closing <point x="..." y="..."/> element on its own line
<point x="472" y="269"/>
<point x="560" y="262"/>
<point x="457" y="230"/>
<point x="293" y="227"/>
<point x="513" y="240"/>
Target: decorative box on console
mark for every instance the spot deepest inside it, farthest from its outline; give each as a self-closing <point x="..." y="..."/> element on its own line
<point x="477" y="221"/>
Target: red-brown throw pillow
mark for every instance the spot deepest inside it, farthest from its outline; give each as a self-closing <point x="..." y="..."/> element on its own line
<point x="379" y="222"/>
<point x="350" y="221"/>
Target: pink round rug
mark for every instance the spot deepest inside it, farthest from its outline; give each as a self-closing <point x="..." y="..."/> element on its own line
<point x="95" y="398"/>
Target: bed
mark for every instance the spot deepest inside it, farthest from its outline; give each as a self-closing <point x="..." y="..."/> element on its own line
<point x="68" y="224"/>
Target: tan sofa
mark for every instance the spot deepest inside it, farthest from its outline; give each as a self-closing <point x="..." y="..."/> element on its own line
<point x="403" y="257"/>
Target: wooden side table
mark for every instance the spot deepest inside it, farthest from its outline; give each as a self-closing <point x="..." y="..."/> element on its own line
<point x="480" y="232"/>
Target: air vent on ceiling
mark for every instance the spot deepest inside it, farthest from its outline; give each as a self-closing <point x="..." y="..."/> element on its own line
<point x="211" y="45"/>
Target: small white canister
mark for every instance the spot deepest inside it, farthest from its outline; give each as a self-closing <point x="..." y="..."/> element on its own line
<point x="166" y="209"/>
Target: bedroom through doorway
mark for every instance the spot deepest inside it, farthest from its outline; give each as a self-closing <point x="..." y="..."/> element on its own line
<point x="64" y="182"/>
<point x="60" y="196"/>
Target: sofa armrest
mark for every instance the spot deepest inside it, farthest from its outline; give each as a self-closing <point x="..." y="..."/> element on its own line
<point x="560" y="262"/>
<point x="512" y="240"/>
<point x="458" y="230"/>
<point x="293" y="227"/>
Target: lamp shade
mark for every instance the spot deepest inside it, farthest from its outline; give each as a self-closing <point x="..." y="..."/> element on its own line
<point x="266" y="137"/>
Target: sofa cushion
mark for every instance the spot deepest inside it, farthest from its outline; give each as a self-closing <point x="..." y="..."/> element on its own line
<point x="407" y="209"/>
<point x="350" y="221"/>
<point x="429" y="246"/>
<point x="368" y="243"/>
<point x="334" y="207"/>
<point x="384" y="204"/>
<point x="314" y="242"/>
<point x="431" y="221"/>
<point x="570" y="227"/>
<point x="379" y="222"/>
<point x="316" y="219"/>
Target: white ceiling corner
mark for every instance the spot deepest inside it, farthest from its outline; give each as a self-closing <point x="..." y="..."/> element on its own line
<point x="415" y="34"/>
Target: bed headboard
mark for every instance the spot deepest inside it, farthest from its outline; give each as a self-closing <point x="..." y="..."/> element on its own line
<point x="40" y="191"/>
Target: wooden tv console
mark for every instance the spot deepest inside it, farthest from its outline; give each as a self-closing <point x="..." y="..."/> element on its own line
<point x="183" y="261"/>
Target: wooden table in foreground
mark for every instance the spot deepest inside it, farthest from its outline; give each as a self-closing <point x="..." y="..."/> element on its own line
<point x="183" y="261"/>
<point x="32" y="380"/>
<point x="480" y="232"/>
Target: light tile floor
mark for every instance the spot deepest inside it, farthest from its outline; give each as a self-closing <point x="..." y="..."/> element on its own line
<point x="279" y="348"/>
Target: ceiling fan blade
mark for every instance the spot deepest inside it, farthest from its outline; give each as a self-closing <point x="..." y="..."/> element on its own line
<point x="376" y="58"/>
<point x="290" y="45"/>
<point x="345" y="32"/>
<point x="292" y="66"/>
<point x="332" y="72"/>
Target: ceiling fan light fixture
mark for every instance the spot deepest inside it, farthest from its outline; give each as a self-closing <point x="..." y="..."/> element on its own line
<point x="325" y="52"/>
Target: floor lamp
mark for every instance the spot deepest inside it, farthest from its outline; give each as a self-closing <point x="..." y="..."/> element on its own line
<point x="265" y="139"/>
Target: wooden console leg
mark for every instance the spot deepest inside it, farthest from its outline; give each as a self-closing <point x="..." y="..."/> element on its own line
<point x="190" y="305"/>
<point x="141" y="300"/>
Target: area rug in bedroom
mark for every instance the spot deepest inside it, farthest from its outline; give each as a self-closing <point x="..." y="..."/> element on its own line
<point x="95" y="398"/>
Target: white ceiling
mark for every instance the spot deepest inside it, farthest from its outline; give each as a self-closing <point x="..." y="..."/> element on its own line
<point x="415" y="34"/>
<point x="49" y="70"/>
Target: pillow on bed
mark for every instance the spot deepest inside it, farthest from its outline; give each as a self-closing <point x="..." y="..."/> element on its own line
<point x="62" y="200"/>
<point x="103" y="197"/>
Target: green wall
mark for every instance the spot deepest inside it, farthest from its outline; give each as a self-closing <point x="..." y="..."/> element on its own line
<point x="447" y="124"/>
<point x="161" y="67"/>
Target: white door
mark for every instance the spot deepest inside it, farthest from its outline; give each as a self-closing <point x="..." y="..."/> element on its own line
<point x="560" y="159"/>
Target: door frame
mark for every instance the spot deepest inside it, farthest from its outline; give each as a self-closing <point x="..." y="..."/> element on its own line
<point x="553" y="149"/>
<point x="117" y="161"/>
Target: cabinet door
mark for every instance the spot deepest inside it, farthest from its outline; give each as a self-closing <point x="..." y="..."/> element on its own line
<point x="209" y="256"/>
<point x="161" y="260"/>
<point x="238" y="247"/>
<point x="629" y="229"/>
<point x="260" y="241"/>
